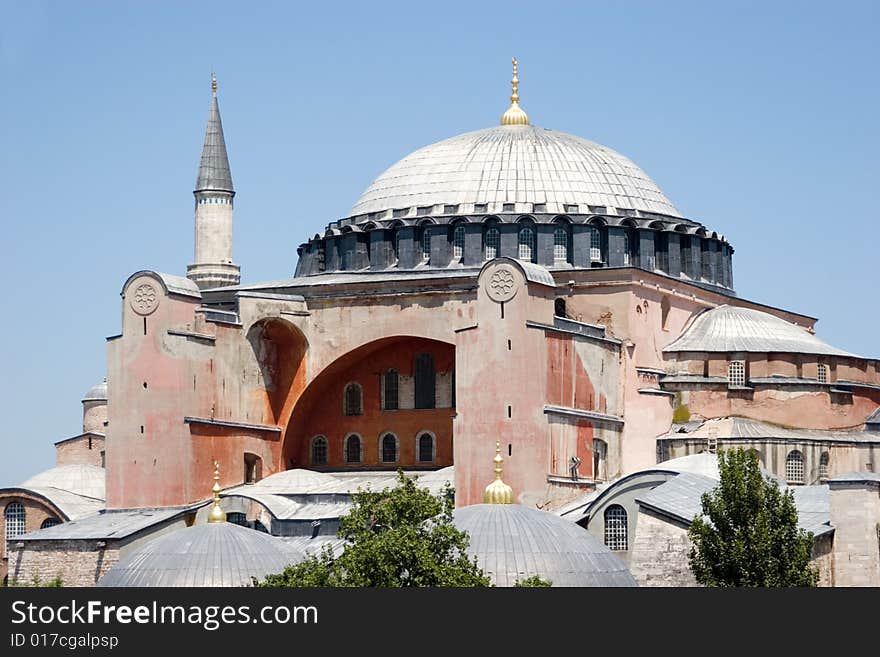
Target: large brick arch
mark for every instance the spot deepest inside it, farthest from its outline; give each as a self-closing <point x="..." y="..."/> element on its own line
<point x="319" y="409"/>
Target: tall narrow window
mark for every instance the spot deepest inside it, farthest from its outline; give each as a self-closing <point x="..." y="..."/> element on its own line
<point x="426" y="243"/>
<point x="627" y="260"/>
<point x="600" y="453"/>
<point x="458" y="242"/>
<point x="396" y="245"/>
<point x="686" y="254"/>
<point x="822" y="373"/>
<point x="559" y="308"/>
<point x="706" y="268"/>
<point x="526" y="243"/>
<point x="389" y="448"/>
<point x="392" y="385"/>
<point x="319" y="450"/>
<point x="616" y="528"/>
<point x="823" y="465"/>
<point x="493" y="237"/>
<point x="426" y="448"/>
<point x="560" y="245"/>
<point x="595" y="245"/>
<point x="353" y="449"/>
<point x="425" y="382"/>
<point x="253" y="468"/>
<point x="15" y="517"/>
<point x="794" y="467"/>
<point x="353" y="399"/>
<point x="736" y="373"/>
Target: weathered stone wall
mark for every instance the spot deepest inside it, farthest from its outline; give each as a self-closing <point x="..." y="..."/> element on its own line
<point x="82" y="450"/>
<point x="36" y="513"/>
<point x="855" y="514"/>
<point x="660" y="553"/>
<point x="78" y="563"/>
<point x="823" y="559"/>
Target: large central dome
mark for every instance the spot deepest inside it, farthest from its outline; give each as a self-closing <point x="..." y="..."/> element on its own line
<point x="519" y="164"/>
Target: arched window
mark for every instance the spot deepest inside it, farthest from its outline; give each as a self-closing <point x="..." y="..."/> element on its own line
<point x="353" y="449"/>
<point x="595" y="245"/>
<point x="822" y="373"/>
<point x="237" y="518"/>
<point x="396" y="245"/>
<point x="15" y="517"/>
<point x="426" y="243"/>
<point x="560" y="245"/>
<point x="391" y="382"/>
<point x="526" y="243"/>
<point x="824" y="460"/>
<point x="559" y="308"/>
<point x="253" y="468"/>
<point x="319" y="450"/>
<point x="600" y="454"/>
<point x="353" y="399"/>
<point x="50" y="522"/>
<point x="458" y="242"/>
<point x="388" y="448"/>
<point x="794" y="467"/>
<point x="615" y="528"/>
<point x="426" y="448"/>
<point x="493" y="237"/>
<point x="425" y="382"/>
<point x="627" y="260"/>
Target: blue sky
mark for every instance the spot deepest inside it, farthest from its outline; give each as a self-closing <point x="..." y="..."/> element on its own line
<point x="756" y="118"/>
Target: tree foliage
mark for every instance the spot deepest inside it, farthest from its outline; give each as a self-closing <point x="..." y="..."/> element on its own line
<point x="535" y="581"/>
<point x="401" y="536"/>
<point x="748" y="535"/>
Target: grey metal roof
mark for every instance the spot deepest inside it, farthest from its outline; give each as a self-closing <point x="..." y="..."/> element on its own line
<point x="680" y="496"/>
<point x="857" y="477"/>
<point x="513" y="542"/>
<point x="112" y="525"/>
<point x="285" y="508"/>
<point x="211" y="554"/>
<point x="514" y="164"/>
<point x="874" y="418"/>
<point x="742" y="428"/>
<point x="214" y="173"/>
<point x="814" y="508"/>
<point x="313" y="546"/>
<point x="365" y="276"/>
<point x="85" y="480"/>
<point x="734" y="329"/>
<point x="173" y="284"/>
<point x="73" y="506"/>
<point x="97" y="392"/>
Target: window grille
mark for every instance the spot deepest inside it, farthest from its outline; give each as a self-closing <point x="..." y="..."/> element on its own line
<point x="353" y="449"/>
<point x="319" y="451"/>
<point x="736" y="373"/>
<point x="616" y="528"/>
<point x="560" y="245"/>
<point x="237" y="518"/>
<point x="492" y="238"/>
<point x="392" y="385"/>
<point x="458" y="242"/>
<point x="426" y="243"/>
<point x="15" y="516"/>
<point x="389" y="448"/>
<point x="50" y="522"/>
<point x="794" y="467"/>
<point x="626" y="250"/>
<point x="822" y="374"/>
<point x="353" y="405"/>
<point x="526" y="243"/>
<point x="595" y="245"/>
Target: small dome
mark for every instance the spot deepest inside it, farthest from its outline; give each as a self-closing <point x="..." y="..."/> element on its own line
<point x="214" y="554"/>
<point x="85" y="480"/>
<point x="515" y="164"/>
<point x="512" y="542"/>
<point x="734" y="329"/>
<point x="97" y="392"/>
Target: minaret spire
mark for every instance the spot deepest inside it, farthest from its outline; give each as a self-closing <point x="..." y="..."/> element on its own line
<point x="514" y="114"/>
<point x="213" y="266"/>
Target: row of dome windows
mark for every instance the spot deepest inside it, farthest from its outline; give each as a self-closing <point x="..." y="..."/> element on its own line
<point x="388" y="448"/>
<point x="215" y="200"/>
<point x="425" y="389"/>
<point x="737" y="376"/>
<point x="562" y="251"/>
<point x="15" y="518"/>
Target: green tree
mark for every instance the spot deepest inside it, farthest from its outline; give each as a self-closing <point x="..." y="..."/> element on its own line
<point x="401" y="536"/>
<point x="748" y="535"/>
<point x="535" y="581"/>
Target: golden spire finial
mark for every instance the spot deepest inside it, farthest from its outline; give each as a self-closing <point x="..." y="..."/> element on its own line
<point x="514" y="114"/>
<point x="498" y="492"/>
<point x="217" y="514"/>
<point x="213" y="83"/>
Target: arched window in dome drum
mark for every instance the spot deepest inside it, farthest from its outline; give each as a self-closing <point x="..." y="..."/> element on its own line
<point x="706" y="264"/>
<point x="595" y="245"/>
<point x="685" y="246"/>
<point x="560" y="245"/>
<point x="426" y="243"/>
<point x="458" y="242"/>
<point x="396" y="245"/>
<point x="493" y="237"/>
<point x="526" y="243"/>
<point x="661" y="251"/>
<point x="15" y="517"/>
<point x="627" y="249"/>
<point x="616" y="528"/>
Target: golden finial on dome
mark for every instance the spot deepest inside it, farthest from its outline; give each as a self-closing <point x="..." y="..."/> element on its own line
<point x="498" y="492"/>
<point x="217" y="514"/>
<point x="514" y="114"/>
<point x="213" y="83"/>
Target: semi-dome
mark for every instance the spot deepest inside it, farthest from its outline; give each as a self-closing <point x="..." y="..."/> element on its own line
<point x="512" y="542"/>
<point x="520" y="164"/>
<point x="97" y="392"/>
<point x="211" y="555"/>
<point x="81" y="479"/>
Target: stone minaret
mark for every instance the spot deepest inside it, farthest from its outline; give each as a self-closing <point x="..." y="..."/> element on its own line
<point x="213" y="266"/>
